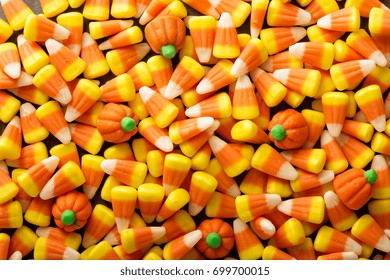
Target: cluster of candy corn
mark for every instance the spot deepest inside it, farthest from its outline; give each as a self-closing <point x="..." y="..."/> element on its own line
<point x="113" y="147"/>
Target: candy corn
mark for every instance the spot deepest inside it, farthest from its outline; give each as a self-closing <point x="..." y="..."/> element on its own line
<point x="347" y="19"/>
<point x="150" y="198"/>
<point x="16" y="13"/>
<point x="99" y="224"/>
<point x="51" y="116"/>
<point x="367" y="230"/>
<point x="371" y="97"/>
<point x="253" y="206"/>
<point x="134" y="239"/>
<point x="285" y="14"/>
<point x="309" y="209"/>
<point x="340" y="216"/>
<point x="268" y="160"/>
<point x="67" y="178"/>
<point x="10" y="141"/>
<point x="131" y="173"/>
<point x="334" y="106"/>
<point x="248" y="245"/>
<point x="9" y="60"/>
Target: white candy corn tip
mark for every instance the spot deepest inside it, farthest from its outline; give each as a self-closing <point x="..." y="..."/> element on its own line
<point x="349" y="256"/>
<point x="53" y="46"/>
<point x="194" y="209"/>
<point x="158" y="232"/>
<point x="26" y="109"/>
<point x="191" y="238"/>
<point x="334" y="129"/>
<point x="226" y="21"/>
<point x="216" y="144"/>
<point x="87" y="40"/>
<point x="325" y="176"/>
<point x="13" y="70"/>
<point x="24" y="79"/>
<point x="287" y="172"/>
<point x="303" y="17"/>
<point x="286" y="206"/>
<point x="379" y="123"/>
<point x="71" y="113"/>
<point x="64" y="135"/>
<point x="111" y="238"/>
<point x="204" y="54"/>
<point x="60" y="33"/>
<point x="204" y="123"/>
<point x="352" y="246"/>
<point x="297" y="50"/>
<point x="325" y="21"/>
<point x="204" y="86"/>
<point x="239" y="226"/>
<point x="172" y="90"/>
<point x="122" y="223"/>
<point x="379" y="163"/>
<point x="367" y="65"/>
<point x="383" y="244"/>
<point x="64" y="96"/>
<point x="267" y="226"/>
<point x="146" y="93"/>
<point x="331" y="199"/>
<point x="298" y="33"/>
<point x="164" y="143"/>
<point x="387" y="232"/>
<point x="272" y="200"/>
<point x="282" y="75"/>
<point x="47" y="191"/>
<point x="233" y="191"/>
<point x="379" y="58"/>
<point x="108" y="166"/>
<point x="51" y="163"/>
<point x="71" y="254"/>
<point x="239" y="68"/>
<point x="193" y="111"/>
<point x="106" y="45"/>
<point x="243" y="82"/>
<point x="16" y="256"/>
<point x="20" y="40"/>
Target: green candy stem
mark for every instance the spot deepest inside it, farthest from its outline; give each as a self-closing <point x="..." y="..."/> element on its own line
<point x="168" y="51"/>
<point x="128" y="124"/>
<point x="371" y="176"/>
<point x="68" y="217"/>
<point x="214" y="240"/>
<point x="278" y="132"/>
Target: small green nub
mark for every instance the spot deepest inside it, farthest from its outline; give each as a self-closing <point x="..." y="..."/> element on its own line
<point x="128" y="124"/>
<point x="278" y="132"/>
<point x="214" y="240"/>
<point x="168" y="51"/>
<point x="68" y="217"/>
<point x="371" y="176"/>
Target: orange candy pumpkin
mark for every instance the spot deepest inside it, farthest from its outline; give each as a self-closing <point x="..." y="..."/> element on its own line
<point x="166" y="35"/>
<point x="217" y="238"/>
<point x="116" y="123"/>
<point x="288" y="129"/>
<point x="71" y="211"/>
<point x="354" y="187"/>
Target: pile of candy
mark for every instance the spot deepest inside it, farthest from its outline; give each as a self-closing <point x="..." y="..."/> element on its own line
<point x="165" y="129"/>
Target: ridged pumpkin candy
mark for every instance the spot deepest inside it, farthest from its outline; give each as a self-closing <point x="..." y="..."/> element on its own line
<point x="354" y="187"/>
<point x="71" y="211"/>
<point x="116" y="123"/>
<point x="166" y="35"/>
<point x="217" y="238"/>
<point x="288" y="129"/>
